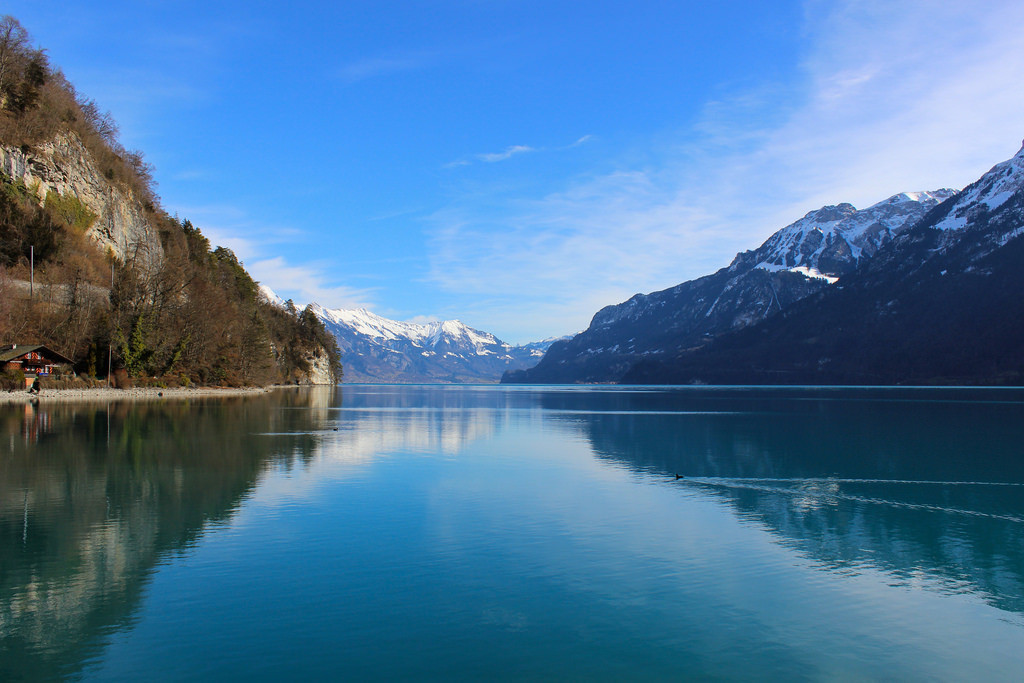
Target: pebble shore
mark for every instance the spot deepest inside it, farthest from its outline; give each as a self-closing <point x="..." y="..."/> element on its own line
<point x="139" y="394"/>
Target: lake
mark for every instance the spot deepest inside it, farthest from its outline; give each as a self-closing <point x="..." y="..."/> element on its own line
<point x="492" y="532"/>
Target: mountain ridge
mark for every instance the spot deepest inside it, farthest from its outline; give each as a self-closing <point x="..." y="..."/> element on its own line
<point x="940" y="304"/>
<point x="795" y="262"/>
<point x="378" y="349"/>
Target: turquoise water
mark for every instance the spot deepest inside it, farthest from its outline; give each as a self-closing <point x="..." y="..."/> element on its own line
<point x="443" y="532"/>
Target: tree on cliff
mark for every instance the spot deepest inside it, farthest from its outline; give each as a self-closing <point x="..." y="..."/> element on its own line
<point x="14" y="46"/>
<point x="178" y="309"/>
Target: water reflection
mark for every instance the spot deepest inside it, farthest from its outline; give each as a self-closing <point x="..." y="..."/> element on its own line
<point x="452" y="513"/>
<point x="927" y="488"/>
<point x="381" y="420"/>
<point x="93" y="496"/>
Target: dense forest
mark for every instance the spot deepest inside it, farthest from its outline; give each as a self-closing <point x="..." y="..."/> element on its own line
<point x="170" y="309"/>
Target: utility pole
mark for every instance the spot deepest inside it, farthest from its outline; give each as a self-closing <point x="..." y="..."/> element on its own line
<point x="110" y="346"/>
<point x="32" y="272"/>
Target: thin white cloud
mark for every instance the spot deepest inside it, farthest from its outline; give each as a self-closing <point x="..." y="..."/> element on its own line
<point x="891" y="96"/>
<point x="306" y="282"/>
<point x="254" y="244"/>
<point x="423" y="319"/>
<point x="509" y="152"/>
<point x="372" y="67"/>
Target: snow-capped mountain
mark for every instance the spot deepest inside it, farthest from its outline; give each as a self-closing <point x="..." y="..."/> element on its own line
<point x="270" y="296"/>
<point x="831" y="241"/>
<point x="988" y="197"/>
<point x="799" y="260"/>
<point x="377" y="349"/>
<point x="940" y="304"/>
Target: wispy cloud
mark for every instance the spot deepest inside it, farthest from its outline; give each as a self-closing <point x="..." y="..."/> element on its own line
<point x="372" y="67"/>
<point x="891" y="96"/>
<point x="423" y="319"/>
<point x="507" y="154"/>
<point x="511" y="151"/>
<point x="307" y="282"/>
<point x="492" y="157"/>
<point x="581" y="141"/>
<point x="257" y="245"/>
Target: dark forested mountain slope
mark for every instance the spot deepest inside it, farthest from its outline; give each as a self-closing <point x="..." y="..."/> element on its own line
<point x="799" y="260"/>
<point x="941" y="304"/>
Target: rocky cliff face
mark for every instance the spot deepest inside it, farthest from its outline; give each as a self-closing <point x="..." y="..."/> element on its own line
<point x="320" y="370"/>
<point x="65" y="167"/>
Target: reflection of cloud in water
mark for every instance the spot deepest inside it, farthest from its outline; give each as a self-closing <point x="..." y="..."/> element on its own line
<point x="350" y="439"/>
<point x="365" y="433"/>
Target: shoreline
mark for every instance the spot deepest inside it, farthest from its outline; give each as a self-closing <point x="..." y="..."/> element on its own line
<point x="134" y="394"/>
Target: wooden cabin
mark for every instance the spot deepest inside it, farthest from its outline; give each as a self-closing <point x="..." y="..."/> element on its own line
<point x="35" y="360"/>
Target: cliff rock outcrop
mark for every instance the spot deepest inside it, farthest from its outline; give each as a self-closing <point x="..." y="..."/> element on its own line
<point x="64" y="166"/>
<point x="320" y="370"/>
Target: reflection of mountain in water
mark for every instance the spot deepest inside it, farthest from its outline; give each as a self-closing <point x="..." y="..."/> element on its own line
<point x="381" y="419"/>
<point x="90" y="507"/>
<point x="849" y="482"/>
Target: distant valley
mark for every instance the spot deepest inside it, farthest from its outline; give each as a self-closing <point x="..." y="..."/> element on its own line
<point x="378" y="349"/>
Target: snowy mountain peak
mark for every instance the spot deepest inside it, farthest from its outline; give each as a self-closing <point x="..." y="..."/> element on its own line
<point x="875" y="250"/>
<point x="987" y="195"/>
<point x="817" y="249"/>
<point x="375" y="348"/>
<point x="370" y="324"/>
<point x="829" y="241"/>
<point x="270" y="296"/>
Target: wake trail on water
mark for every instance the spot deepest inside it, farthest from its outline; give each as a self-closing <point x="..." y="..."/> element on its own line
<point x="835" y="495"/>
<point x="836" y="480"/>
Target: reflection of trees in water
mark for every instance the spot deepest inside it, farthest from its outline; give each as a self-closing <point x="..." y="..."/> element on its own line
<point x="779" y="434"/>
<point x="88" y="510"/>
<point x="845" y="482"/>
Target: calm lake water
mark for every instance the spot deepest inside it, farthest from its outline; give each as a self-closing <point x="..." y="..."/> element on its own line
<point x="443" y="532"/>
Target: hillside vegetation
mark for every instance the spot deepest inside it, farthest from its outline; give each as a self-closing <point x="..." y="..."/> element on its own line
<point x="172" y="308"/>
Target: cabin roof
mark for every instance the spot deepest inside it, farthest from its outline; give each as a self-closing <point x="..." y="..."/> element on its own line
<point x="19" y="350"/>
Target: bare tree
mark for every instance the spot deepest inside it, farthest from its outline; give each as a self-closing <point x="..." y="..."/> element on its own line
<point x="14" y="45"/>
<point x="102" y="121"/>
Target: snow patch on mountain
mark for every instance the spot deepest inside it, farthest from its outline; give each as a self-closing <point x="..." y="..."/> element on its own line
<point x="270" y="296"/>
<point x="426" y="335"/>
<point x="801" y="259"/>
<point x="375" y="348"/>
<point x="988" y="194"/>
<point x="833" y="238"/>
<point x="806" y="271"/>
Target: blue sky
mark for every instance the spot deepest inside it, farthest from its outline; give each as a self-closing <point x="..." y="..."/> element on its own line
<point x="518" y="165"/>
